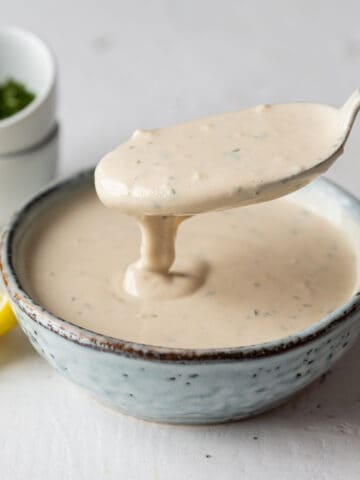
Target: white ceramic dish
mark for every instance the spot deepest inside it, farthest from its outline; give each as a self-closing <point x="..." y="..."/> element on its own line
<point x="24" y="173"/>
<point x="27" y="59"/>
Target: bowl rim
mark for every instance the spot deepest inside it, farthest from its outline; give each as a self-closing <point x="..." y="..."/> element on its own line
<point x="101" y="342"/>
<point x="43" y="97"/>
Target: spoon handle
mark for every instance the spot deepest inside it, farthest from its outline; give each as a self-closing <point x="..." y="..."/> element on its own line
<point x="350" y="108"/>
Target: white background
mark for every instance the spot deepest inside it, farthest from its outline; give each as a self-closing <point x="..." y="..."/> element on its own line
<point x="129" y="64"/>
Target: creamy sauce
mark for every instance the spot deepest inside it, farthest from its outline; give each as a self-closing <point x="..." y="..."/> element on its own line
<point x="271" y="270"/>
<point x="219" y="162"/>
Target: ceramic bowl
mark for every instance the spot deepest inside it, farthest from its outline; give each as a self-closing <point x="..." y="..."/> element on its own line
<point x="27" y="59"/>
<point x="183" y="385"/>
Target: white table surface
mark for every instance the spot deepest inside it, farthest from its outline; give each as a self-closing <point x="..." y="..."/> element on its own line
<point x="128" y="64"/>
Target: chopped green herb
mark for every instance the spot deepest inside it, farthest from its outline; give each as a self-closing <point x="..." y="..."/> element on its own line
<point x="260" y="136"/>
<point x="233" y="154"/>
<point x="13" y="98"/>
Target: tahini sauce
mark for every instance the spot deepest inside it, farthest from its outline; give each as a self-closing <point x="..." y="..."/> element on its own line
<point x="239" y="277"/>
<point x="272" y="270"/>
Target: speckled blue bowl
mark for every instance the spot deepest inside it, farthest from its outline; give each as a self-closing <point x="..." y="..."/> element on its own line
<point x="183" y="385"/>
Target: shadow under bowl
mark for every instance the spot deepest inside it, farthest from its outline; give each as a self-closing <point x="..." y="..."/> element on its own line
<point x="186" y="386"/>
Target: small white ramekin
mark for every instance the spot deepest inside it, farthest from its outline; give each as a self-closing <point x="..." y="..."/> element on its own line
<point x="27" y="59"/>
<point x="24" y="173"/>
<point x="29" y="139"/>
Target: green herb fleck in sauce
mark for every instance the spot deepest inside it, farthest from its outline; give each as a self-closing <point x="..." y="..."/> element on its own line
<point x="13" y="97"/>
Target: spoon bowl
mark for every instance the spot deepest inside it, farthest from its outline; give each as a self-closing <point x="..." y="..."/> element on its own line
<point x="226" y="160"/>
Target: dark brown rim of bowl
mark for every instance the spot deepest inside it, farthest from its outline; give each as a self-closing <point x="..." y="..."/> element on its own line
<point x="96" y="341"/>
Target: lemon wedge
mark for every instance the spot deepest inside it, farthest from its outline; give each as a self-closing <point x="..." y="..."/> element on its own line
<point x="7" y="316"/>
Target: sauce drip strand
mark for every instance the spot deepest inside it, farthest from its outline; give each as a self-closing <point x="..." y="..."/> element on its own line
<point x="150" y="276"/>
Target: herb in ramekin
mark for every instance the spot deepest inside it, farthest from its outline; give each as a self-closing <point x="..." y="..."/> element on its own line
<point x="13" y="97"/>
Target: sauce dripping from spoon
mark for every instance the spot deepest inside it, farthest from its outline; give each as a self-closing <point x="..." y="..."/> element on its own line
<point x="160" y="177"/>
